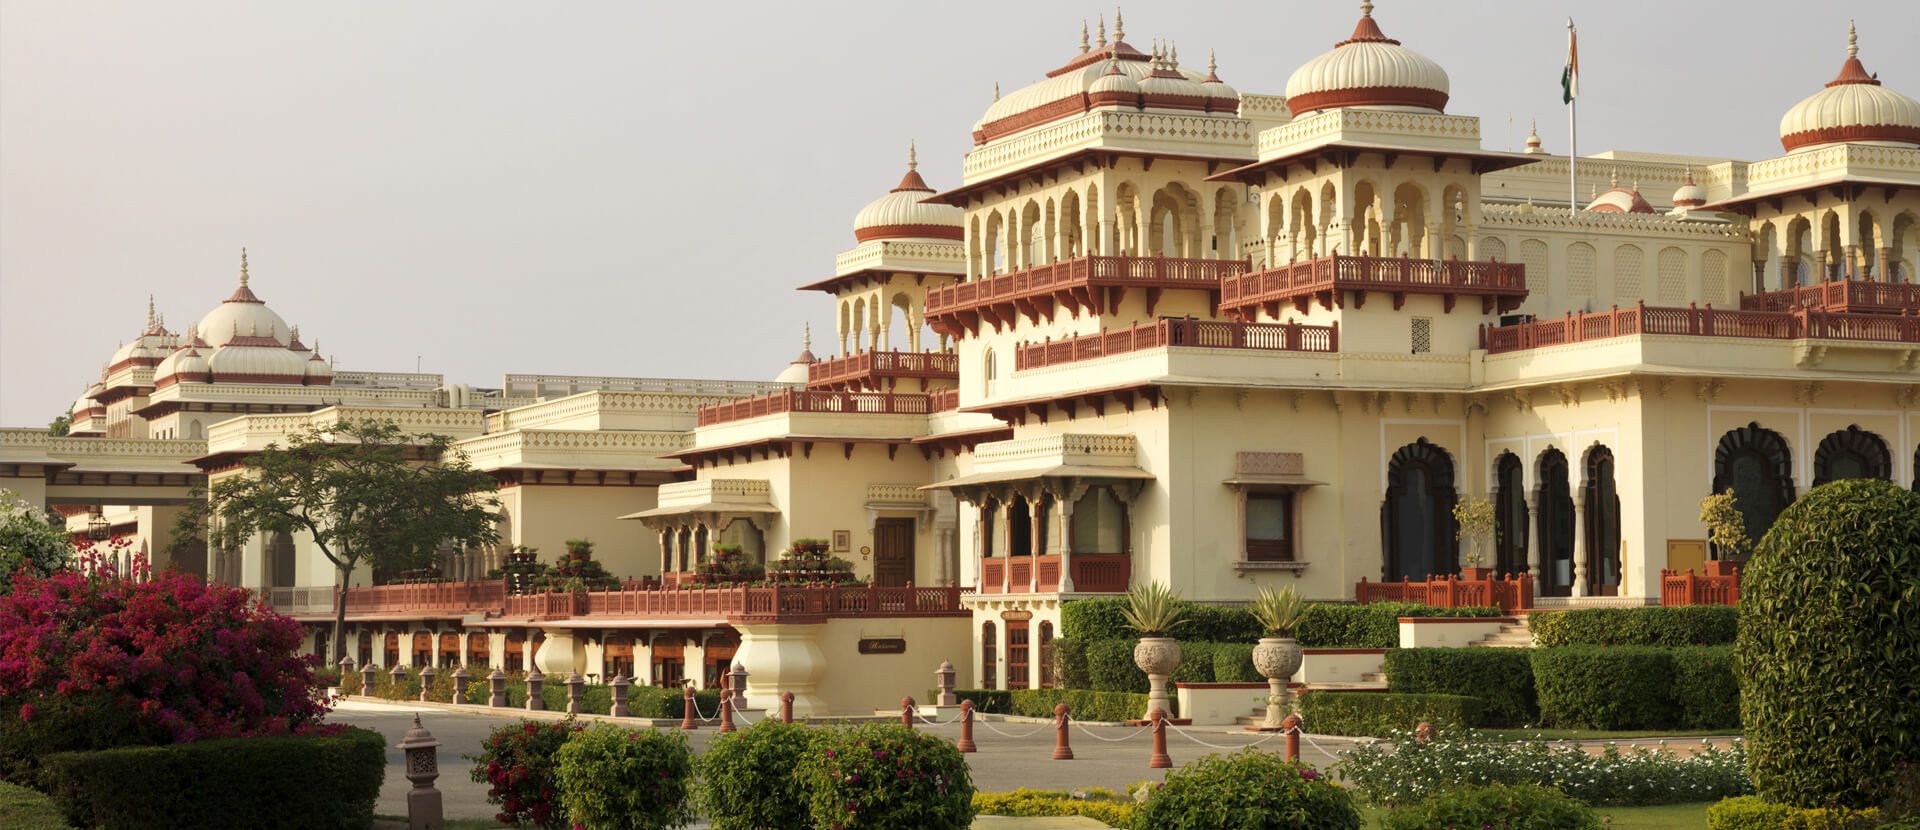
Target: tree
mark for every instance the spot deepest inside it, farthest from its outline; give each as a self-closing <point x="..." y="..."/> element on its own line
<point x="61" y="425"/>
<point x="1726" y="526"/>
<point x="30" y="540"/>
<point x="364" y="491"/>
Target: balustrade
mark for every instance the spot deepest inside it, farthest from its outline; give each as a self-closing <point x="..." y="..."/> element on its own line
<point x="643" y="599"/>
<point x="1509" y="594"/>
<point x="1701" y="321"/>
<point x="867" y="367"/>
<point x="1092" y="573"/>
<point x="813" y="400"/>
<point x="1206" y="334"/>
<point x="1678" y="588"/>
<point x="1300" y="280"/>
<point x="1851" y="296"/>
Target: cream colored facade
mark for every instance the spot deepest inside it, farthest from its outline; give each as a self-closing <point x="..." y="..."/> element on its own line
<point x="1164" y="330"/>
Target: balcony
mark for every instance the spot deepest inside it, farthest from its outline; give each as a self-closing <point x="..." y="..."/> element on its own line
<point x="646" y="600"/>
<point x="1205" y="334"/>
<point x="1479" y="588"/>
<point x="1678" y="588"/>
<point x="1095" y="573"/>
<point x="874" y="370"/>
<point x="1848" y="297"/>
<point x="1095" y="284"/>
<point x="815" y="401"/>
<point x="1702" y="322"/>
<point x="1329" y="279"/>
<point x="429" y="597"/>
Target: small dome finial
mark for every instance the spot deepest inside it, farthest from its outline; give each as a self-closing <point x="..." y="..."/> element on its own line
<point x="1101" y="41"/>
<point x="294" y="333"/>
<point x="1689" y="171"/>
<point x="243" y="265"/>
<point x="1853" y="40"/>
<point x="150" y="318"/>
<point x="806" y="338"/>
<point x="1119" y="26"/>
<point x="1213" y="65"/>
<point x="1083" y="37"/>
<point x="1366" y="8"/>
<point x="1173" y="54"/>
<point x="913" y="155"/>
<point x="996" y="90"/>
<point x="1533" y="139"/>
<point x="1613" y="177"/>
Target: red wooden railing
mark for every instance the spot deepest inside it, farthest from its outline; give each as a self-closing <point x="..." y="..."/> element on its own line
<point x="1208" y="334"/>
<point x="943" y="400"/>
<point x="794" y="400"/>
<point x="1092" y="572"/>
<point x="1853" y="296"/>
<point x="869" y="365"/>
<point x="1366" y="273"/>
<point x="1678" y="588"/>
<point x="1705" y="322"/>
<point x="1509" y="594"/>
<point x="635" y="599"/>
<point x="427" y="596"/>
<point x="1146" y="272"/>
<point x="1102" y="572"/>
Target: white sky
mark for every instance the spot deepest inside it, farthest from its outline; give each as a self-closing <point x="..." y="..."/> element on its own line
<point x="635" y="188"/>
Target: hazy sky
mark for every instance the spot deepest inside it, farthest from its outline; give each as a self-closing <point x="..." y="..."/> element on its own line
<point x="635" y="188"/>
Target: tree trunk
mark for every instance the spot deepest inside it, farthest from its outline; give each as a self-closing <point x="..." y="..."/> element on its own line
<point x="340" y="617"/>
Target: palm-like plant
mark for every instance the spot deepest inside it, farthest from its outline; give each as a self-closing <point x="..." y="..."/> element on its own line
<point x="1153" y="609"/>
<point x="1279" y="612"/>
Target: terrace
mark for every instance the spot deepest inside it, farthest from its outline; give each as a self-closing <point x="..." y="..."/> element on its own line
<point x="1704" y="322"/>
<point x="1849" y="296"/>
<point x="874" y="370"/>
<point x="650" y="601"/>
<point x="1095" y="284"/>
<point x="1331" y="279"/>
<point x="794" y="400"/>
<point x="1206" y="334"/>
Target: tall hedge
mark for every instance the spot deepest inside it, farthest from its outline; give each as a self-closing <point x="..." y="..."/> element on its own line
<point x="1503" y="677"/>
<point x="1630" y="687"/>
<point x="1375" y="625"/>
<point x="1829" y="646"/>
<point x="1325" y="625"/>
<point x="1706" y="687"/>
<point x="1378" y="714"/>
<point x="1668" y="626"/>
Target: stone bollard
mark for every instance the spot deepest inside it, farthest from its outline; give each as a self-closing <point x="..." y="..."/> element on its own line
<point x="399" y="678"/>
<point x="423" y="766"/>
<point x="461" y="679"/>
<point x="943" y="680"/>
<point x="786" y="707"/>
<point x="535" y="701"/>
<point x="737" y="681"/>
<point x="1061" y="750"/>
<point x="369" y="678"/>
<point x="619" y="684"/>
<point x="346" y="667"/>
<point x="576" y="687"/>
<point x="1292" y="727"/>
<point x="426" y="681"/>
<point x="1424" y="732"/>
<point x="906" y="712"/>
<point x="1159" y="759"/>
<point x="497" y="689"/>
<point x="726" y="713"/>
<point x="687" y="710"/>
<point x="965" y="744"/>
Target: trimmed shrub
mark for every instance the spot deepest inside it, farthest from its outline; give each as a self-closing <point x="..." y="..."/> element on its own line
<point x="1667" y="626"/>
<point x="1248" y="790"/>
<point x="985" y="701"/>
<point x="608" y="776"/>
<point x="516" y="762"/>
<point x="1706" y="687"/>
<point x="1097" y="803"/>
<point x="1196" y="663"/>
<point x="1592" y="687"/>
<point x="73" y="723"/>
<point x="1750" y="812"/>
<point x="1111" y="668"/>
<point x="1070" y="663"/>
<point x="1829" y="645"/>
<point x="1405" y="770"/>
<point x="1375" y="625"/>
<point x="301" y="781"/>
<point x="1502" y="677"/>
<point x="408" y="688"/>
<point x="1326" y="624"/>
<point x="1086" y="705"/>
<point x="1233" y="663"/>
<point x="1377" y="715"/>
<point x="748" y="781"/>
<point x="886" y="776"/>
<point x="1099" y="618"/>
<point x="1220" y="624"/>
<point x="1495" y="805"/>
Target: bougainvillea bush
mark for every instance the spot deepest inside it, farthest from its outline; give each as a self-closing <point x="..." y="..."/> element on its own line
<point x="886" y="776"/>
<point x="517" y="763"/>
<point x="141" y="658"/>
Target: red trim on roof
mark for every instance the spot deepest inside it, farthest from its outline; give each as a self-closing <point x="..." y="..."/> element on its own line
<point x="909" y="231"/>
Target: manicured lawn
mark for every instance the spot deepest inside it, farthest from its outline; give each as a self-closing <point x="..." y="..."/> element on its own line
<point x="1662" y="817"/>
<point x="24" y="809"/>
<point x="1597" y="735"/>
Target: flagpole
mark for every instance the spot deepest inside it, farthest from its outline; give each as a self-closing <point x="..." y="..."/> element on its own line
<point x="1573" y="132"/>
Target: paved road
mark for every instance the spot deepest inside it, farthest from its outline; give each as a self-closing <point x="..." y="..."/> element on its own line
<point x="1003" y="762"/>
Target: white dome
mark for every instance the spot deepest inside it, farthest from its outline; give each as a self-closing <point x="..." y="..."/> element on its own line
<point x="901" y="214"/>
<point x="243" y="314"/>
<point x="1853" y="109"/>
<point x="319" y="371"/>
<point x="256" y="364"/>
<point x="1368" y="70"/>
<point x="1115" y="81"/>
<point x="1689" y="194"/>
<point x="796" y="372"/>
<point x="1067" y="90"/>
<point x="185" y="366"/>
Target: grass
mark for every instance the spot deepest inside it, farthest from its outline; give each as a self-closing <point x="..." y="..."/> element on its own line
<point x="24" y="809"/>
<point x="1659" y="817"/>
<point x="1601" y="735"/>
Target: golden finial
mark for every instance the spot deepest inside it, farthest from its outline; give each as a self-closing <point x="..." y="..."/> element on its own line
<point x="1102" y="41"/>
<point x="1853" y="40"/>
<point x="1119" y="26"/>
<point x="913" y="156"/>
<point x="243" y="265"/>
<point x="1083" y="37"/>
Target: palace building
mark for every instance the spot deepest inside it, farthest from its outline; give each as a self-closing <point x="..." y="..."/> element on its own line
<point x="1159" y="329"/>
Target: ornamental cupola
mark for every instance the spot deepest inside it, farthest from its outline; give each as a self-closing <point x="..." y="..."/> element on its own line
<point x="1534" y="147"/>
<point x="1167" y="87"/>
<point x="1620" y="199"/>
<point x="902" y="213"/>
<point x="1368" y="69"/>
<point x="319" y="371"/>
<point x="1689" y="195"/>
<point x="186" y="365"/>
<point x="1853" y="109"/>
<point x="244" y="311"/>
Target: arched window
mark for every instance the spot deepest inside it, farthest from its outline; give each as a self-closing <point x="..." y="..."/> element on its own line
<point x="1417" y="516"/>
<point x="1851" y="453"/>
<point x="1603" y="525"/>
<point x="1556" y="525"/>
<point x="989" y="516"/>
<point x="280" y="566"/>
<point x="1754" y="463"/>
<point x="743" y="532"/>
<point x="1100" y="523"/>
<point x="1509" y="515"/>
<point x="1046" y="655"/>
<point x="1020" y="527"/>
<point x="988" y="372"/>
<point x="989" y="656"/>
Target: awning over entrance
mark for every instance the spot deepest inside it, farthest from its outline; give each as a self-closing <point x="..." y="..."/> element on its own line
<point x="1057" y="471"/>
<point x="702" y="507"/>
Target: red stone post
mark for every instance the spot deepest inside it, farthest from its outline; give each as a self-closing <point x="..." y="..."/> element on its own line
<point x="965" y="744"/>
<point x="726" y="713"/>
<point x="1160" y="759"/>
<point x="1292" y="727"/>
<point x="906" y="712"/>
<point x="1424" y="732"/>
<point x="1061" y="750"/>
<point x="786" y="707"/>
<point x="686" y="706"/>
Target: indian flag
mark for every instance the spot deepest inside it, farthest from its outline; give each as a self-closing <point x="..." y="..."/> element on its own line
<point x="1570" y="76"/>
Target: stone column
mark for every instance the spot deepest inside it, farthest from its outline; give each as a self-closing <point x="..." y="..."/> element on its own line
<point x="1534" y="565"/>
<point x="1580" y="542"/>
<point x="352" y="645"/>
<point x="497" y="650"/>
<point x="782" y="657"/>
<point x="643" y="659"/>
<point x="1885" y="270"/>
<point x="1066" y="543"/>
<point x="696" y="668"/>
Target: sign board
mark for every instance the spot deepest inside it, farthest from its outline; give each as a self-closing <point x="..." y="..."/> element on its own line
<point x="1016" y="616"/>
<point x="883" y="645"/>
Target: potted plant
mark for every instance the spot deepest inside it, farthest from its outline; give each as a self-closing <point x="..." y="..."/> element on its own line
<point x="1727" y="541"/>
<point x="1278" y="655"/>
<point x="1154" y="610"/>
<point x="1474" y="518"/>
<point x="579" y="550"/>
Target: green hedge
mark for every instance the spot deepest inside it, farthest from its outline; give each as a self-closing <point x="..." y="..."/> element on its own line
<point x="1196" y="663"/>
<point x="299" y="781"/>
<point x="1590" y="687"/>
<point x="1667" y="626"/>
<point x="1326" y="624"/>
<point x="1377" y="713"/>
<point x="1233" y="663"/>
<point x="597" y="699"/>
<point x="1375" y="625"/>
<point x="1101" y="619"/>
<point x="1502" y="677"/>
<point x="1706" y="687"/>
<point x="985" y="701"/>
<point x="1110" y="667"/>
<point x="1086" y="705"/>
<point x="1070" y="663"/>
<point x="1529" y="806"/>
<point x="1750" y="812"/>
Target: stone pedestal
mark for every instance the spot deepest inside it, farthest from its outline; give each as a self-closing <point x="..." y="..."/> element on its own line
<point x="783" y="657"/>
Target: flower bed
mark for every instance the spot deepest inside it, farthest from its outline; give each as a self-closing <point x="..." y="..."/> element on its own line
<point x="1408" y="770"/>
<point x="1113" y="809"/>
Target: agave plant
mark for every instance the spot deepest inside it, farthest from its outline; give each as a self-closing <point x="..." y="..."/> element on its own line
<point x="1279" y="612"/>
<point x="1153" y="609"/>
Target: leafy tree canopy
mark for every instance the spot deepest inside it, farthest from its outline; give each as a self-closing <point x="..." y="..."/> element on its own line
<point x="30" y="540"/>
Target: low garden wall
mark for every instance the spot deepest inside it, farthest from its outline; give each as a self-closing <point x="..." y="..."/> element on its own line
<point x="1449" y="632"/>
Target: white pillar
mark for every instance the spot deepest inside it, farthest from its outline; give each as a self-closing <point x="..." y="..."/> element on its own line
<point x="696" y="667"/>
<point x="783" y="657"/>
<point x="1580" y="542"/>
<point x="1534" y="565"/>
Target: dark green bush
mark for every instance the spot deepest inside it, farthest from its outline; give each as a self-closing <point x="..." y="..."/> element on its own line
<point x="670" y="702"/>
<point x="1249" y="790"/>
<point x="1086" y="705"/>
<point x="610" y="776"/>
<point x="1111" y="668"/>
<point x="1196" y="663"/>
<point x="1667" y="626"/>
<point x="886" y="776"/>
<point x="1706" y="687"/>
<point x="66" y="723"/>
<point x="1750" y="812"/>
<point x="1220" y="624"/>
<point x="1375" y="625"/>
<point x="327" y="782"/>
<point x="1502" y="677"/>
<point x="1376" y="714"/>
<point x="1100" y="804"/>
<point x="1829" y="646"/>
<point x="1070" y="664"/>
<point x="1099" y="618"/>
<point x="1233" y="663"/>
<point x="1590" y="687"/>
<point x="516" y="763"/>
<point x="985" y="701"/>
<point x="1326" y="625"/>
<point x="748" y="780"/>
<point x="1495" y="805"/>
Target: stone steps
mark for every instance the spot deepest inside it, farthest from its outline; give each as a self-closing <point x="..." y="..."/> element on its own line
<point x="1511" y="635"/>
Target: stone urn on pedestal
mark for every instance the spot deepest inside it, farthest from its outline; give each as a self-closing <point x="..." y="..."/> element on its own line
<point x="1154" y="610"/>
<point x="1278" y="655"/>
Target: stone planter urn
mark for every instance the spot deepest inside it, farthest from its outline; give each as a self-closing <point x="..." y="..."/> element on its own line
<point x="1158" y="657"/>
<point x="1277" y="658"/>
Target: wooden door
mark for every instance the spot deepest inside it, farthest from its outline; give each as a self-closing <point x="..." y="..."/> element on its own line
<point x="892" y="552"/>
<point x="1017" y="646"/>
